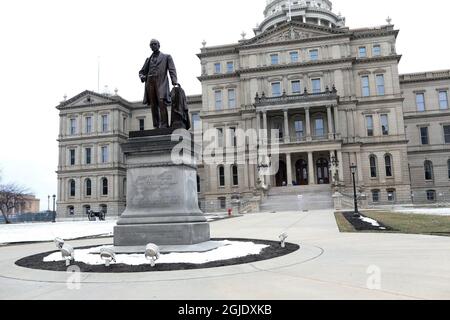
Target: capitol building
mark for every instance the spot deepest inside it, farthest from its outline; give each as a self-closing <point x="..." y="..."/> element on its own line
<point x="331" y="97"/>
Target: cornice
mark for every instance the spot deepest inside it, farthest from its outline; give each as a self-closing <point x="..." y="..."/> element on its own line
<point x="397" y="57"/>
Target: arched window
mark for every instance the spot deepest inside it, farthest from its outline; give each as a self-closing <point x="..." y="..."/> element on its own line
<point x="124" y="187"/>
<point x="198" y="184"/>
<point x="221" y="170"/>
<point x="388" y="165"/>
<point x="88" y="187"/>
<point x="72" y="187"/>
<point x="428" y="167"/>
<point x="104" y="186"/>
<point x="431" y="195"/>
<point x="234" y="171"/>
<point x="373" y="166"/>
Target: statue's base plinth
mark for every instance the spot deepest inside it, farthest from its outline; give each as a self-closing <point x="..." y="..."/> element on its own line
<point x="161" y="234"/>
<point x="162" y="200"/>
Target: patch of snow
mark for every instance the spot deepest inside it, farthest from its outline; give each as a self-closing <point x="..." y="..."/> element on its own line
<point x="230" y="250"/>
<point x="372" y="222"/>
<point x="37" y="232"/>
<point x="428" y="211"/>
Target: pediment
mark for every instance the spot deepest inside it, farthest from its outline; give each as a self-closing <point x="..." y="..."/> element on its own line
<point x="290" y="32"/>
<point x="86" y="98"/>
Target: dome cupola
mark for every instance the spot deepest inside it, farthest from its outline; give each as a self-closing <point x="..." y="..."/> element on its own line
<point x="317" y="12"/>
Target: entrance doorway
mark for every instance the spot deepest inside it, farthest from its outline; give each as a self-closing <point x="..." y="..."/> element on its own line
<point x="281" y="176"/>
<point x="301" y="172"/>
<point x="323" y="174"/>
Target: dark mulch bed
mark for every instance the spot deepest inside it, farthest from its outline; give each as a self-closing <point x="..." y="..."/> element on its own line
<point x="360" y="225"/>
<point x="36" y="261"/>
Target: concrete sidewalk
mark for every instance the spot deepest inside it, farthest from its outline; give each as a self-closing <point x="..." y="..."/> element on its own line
<point x="330" y="265"/>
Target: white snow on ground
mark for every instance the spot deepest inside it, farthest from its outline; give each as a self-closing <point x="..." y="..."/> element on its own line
<point x="231" y="250"/>
<point x="372" y="222"/>
<point x="36" y="232"/>
<point x="428" y="211"/>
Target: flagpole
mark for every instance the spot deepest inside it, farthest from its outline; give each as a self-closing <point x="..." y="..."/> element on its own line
<point x="290" y="13"/>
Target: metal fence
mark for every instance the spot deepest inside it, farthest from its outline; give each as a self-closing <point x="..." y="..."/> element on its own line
<point x="45" y="216"/>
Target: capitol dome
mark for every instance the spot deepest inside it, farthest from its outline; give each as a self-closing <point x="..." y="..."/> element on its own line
<point x="316" y="12"/>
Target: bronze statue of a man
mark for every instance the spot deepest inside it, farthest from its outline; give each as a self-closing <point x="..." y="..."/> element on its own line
<point x="157" y="93"/>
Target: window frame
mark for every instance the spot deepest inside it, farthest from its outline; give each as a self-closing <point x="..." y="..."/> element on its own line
<point x="217" y="68"/>
<point x="365" y="89"/>
<point x="376" y="53"/>
<point x="230" y="63"/>
<point x="384" y="127"/>
<point x="72" y="157"/>
<point x="294" y="54"/>
<point x="441" y="106"/>
<point x="235" y="175"/>
<point x="221" y="176"/>
<point x="316" y="90"/>
<point x="428" y="170"/>
<point x="381" y="88"/>
<point x="314" y="57"/>
<point x="360" y="55"/>
<point x="88" y="187"/>
<point x="373" y="166"/>
<point x="104" y="153"/>
<point x="420" y="105"/>
<point x="88" y="123"/>
<point x="370" y="129"/>
<point x="231" y="102"/>
<point x="299" y="91"/>
<point x="276" y="61"/>
<point x="218" y="103"/>
<point x="88" y="155"/>
<point x="424" y="139"/>
<point x="105" y="123"/>
<point x="272" y="86"/>
<point x="105" y="186"/>
<point x="388" y="160"/>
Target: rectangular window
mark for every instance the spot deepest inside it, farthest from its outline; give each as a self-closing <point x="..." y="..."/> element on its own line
<point x="219" y="137"/>
<point x="105" y="155"/>
<point x="447" y="134"/>
<point x="231" y="98"/>
<point x="230" y="67"/>
<point x="443" y="100"/>
<point x="365" y="86"/>
<point x="73" y="127"/>
<point x="105" y="123"/>
<point x="420" y="102"/>
<point x="235" y="175"/>
<point x="391" y="195"/>
<point x="319" y="128"/>
<point x="369" y="124"/>
<point x="314" y="55"/>
<point x="233" y="139"/>
<point x="380" y="84"/>
<point x="362" y="52"/>
<point x="299" y="129"/>
<point x="431" y="195"/>
<point x="72" y="157"/>
<point x="294" y="56"/>
<point x="218" y="99"/>
<point x="88" y="153"/>
<point x="223" y="203"/>
<point x="217" y="68"/>
<point x="196" y="121"/>
<point x="274" y="59"/>
<point x="316" y="86"/>
<point x="296" y="87"/>
<point x="376" y="51"/>
<point x="424" y="135"/>
<point x="124" y="124"/>
<point x="141" y="124"/>
<point x="384" y="124"/>
<point x="375" y="196"/>
<point x="88" y="125"/>
<point x="276" y="89"/>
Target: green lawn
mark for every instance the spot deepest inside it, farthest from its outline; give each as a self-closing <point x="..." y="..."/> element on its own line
<point x="404" y="223"/>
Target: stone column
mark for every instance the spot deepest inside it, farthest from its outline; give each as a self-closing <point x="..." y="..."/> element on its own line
<point x="360" y="169"/>
<point x="311" y="171"/>
<point x="336" y="120"/>
<point x="265" y="134"/>
<point x="330" y="124"/>
<point x="308" y="125"/>
<point x="286" y="127"/>
<point x="289" y="169"/>
<point x="341" y="166"/>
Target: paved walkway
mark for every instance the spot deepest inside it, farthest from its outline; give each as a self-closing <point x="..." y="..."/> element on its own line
<point x="330" y="265"/>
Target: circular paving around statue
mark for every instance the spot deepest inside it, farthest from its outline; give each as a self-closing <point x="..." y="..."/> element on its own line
<point x="271" y="250"/>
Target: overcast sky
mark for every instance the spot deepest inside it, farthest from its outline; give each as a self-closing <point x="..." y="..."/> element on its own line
<point x="49" y="48"/>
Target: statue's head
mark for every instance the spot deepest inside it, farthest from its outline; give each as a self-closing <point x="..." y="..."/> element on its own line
<point x="154" y="45"/>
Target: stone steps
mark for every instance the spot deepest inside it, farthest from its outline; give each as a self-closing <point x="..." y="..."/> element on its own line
<point x="287" y="199"/>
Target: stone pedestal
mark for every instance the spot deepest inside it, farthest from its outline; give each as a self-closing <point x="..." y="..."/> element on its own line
<point x="162" y="202"/>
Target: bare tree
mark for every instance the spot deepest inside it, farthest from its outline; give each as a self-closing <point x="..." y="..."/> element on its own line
<point x="12" y="196"/>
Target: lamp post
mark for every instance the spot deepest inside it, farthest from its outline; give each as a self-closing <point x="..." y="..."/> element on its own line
<point x="48" y="207"/>
<point x="353" y="168"/>
<point x="54" y="208"/>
